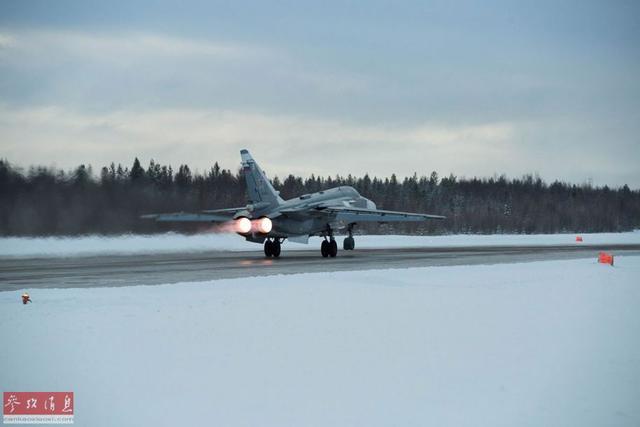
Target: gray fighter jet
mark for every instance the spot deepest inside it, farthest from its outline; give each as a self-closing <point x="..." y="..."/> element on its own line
<point x="269" y="219"/>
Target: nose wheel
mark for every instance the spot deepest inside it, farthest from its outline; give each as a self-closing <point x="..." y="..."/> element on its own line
<point x="272" y="248"/>
<point x="349" y="244"/>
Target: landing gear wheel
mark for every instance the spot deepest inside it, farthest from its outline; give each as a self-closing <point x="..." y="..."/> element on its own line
<point x="272" y="248"/>
<point x="268" y="249"/>
<point x="324" y="248"/>
<point x="275" y="248"/>
<point x="333" y="248"/>
<point x="349" y="244"/>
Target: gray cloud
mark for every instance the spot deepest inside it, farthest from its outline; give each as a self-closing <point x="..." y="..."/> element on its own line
<point x="74" y="97"/>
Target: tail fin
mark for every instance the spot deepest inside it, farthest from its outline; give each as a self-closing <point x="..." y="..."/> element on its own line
<point x="259" y="188"/>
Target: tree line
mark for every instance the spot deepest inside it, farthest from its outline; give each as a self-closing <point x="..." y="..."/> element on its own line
<point x="50" y="201"/>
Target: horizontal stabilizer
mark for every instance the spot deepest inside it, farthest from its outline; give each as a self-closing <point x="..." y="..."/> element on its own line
<point x="187" y="217"/>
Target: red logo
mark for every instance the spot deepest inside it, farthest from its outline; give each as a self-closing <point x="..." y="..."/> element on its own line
<point x="40" y="407"/>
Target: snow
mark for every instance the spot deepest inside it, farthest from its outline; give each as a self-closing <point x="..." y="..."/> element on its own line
<point x="172" y="242"/>
<point x="551" y="343"/>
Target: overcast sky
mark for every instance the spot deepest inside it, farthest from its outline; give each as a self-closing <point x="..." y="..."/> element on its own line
<point x="470" y="88"/>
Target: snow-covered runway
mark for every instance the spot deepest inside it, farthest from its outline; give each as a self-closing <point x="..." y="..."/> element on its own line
<point x="98" y="261"/>
<point x="550" y="343"/>
<point x="162" y="268"/>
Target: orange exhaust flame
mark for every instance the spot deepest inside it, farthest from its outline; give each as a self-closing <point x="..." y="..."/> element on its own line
<point x="223" y="227"/>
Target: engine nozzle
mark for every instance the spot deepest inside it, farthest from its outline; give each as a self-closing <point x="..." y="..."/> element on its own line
<point x="264" y="225"/>
<point x="242" y="225"/>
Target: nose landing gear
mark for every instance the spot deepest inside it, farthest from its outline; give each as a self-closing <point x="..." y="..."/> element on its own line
<point x="349" y="243"/>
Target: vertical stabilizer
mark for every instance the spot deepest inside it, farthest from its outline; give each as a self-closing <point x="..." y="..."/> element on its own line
<point x="259" y="188"/>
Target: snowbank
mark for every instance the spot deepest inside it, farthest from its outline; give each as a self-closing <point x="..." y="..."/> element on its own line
<point x="544" y="343"/>
<point x="172" y="242"/>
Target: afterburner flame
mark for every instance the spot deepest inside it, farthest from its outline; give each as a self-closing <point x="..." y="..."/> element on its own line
<point x="264" y="225"/>
<point x="242" y="225"/>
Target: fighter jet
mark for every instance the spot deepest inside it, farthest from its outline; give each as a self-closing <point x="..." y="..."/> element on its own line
<point x="268" y="219"/>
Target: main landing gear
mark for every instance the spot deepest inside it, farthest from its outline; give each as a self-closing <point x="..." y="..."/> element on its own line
<point x="272" y="248"/>
<point x="329" y="248"/>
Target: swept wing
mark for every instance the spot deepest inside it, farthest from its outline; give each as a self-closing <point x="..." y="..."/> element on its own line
<point x="349" y="214"/>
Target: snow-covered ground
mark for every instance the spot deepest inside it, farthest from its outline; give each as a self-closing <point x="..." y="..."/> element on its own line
<point x="538" y="344"/>
<point x="172" y="242"/>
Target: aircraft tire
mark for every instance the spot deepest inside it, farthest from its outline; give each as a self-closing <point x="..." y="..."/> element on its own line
<point x="324" y="249"/>
<point x="268" y="248"/>
<point x="333" y="249"/>
<point x="275" y="249"/>
<point x="349" y="244"/>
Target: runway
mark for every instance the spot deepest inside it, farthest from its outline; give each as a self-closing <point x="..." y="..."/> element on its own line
<point x="154" y="269"/>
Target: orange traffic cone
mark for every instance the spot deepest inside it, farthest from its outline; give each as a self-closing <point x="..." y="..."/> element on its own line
<point x="605" y="258"/>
